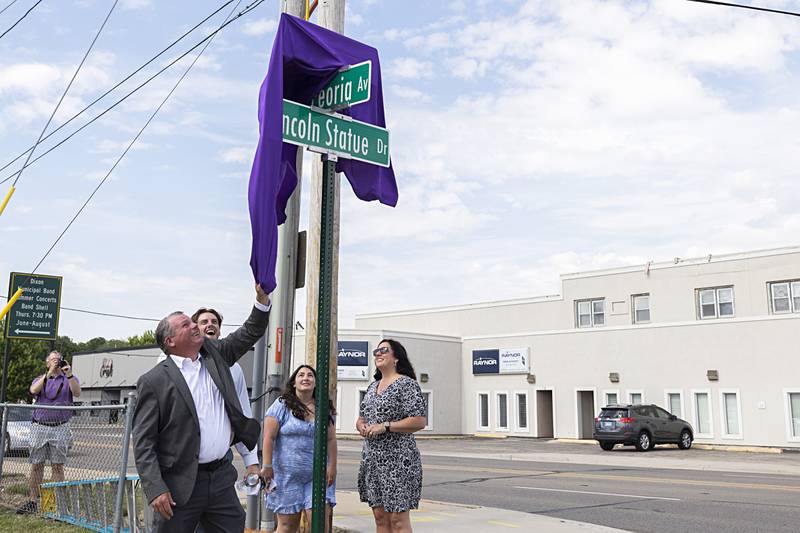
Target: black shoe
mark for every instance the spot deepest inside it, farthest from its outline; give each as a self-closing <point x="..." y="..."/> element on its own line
<point x="28" y="507"/>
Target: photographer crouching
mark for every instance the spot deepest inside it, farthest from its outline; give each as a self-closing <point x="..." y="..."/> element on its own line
<point x="50" y="432"/>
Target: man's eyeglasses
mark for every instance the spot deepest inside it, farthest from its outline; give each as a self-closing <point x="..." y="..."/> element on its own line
<point x="383" y="350"/>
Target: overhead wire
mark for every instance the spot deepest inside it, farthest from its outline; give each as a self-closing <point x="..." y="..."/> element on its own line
<point x="246" y="10"/>
<point x="140" y="86"/>
<point x="21" y="18"/>
<point x="112" y="315"/>
<point x="742" y="6"/>
<point x="9" y="5"/>
<point x="126" y="78"/>
<point x="66" y="90"/>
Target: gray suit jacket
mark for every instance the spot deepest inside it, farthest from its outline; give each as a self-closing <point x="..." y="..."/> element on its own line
<point x="166" y="432"/>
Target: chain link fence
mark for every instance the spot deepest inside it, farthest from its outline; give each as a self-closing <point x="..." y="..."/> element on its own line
<point x="71" y="464"/>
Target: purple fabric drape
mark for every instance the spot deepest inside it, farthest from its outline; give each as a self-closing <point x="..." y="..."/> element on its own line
<point x="304" y="58"/>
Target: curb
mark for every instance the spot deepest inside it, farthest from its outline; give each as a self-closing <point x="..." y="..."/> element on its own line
<point x="700" y="446"/>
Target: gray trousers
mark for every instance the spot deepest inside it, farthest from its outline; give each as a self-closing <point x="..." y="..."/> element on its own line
<point x="213" y="504"/>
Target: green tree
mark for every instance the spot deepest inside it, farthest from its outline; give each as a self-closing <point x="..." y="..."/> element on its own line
<point x="147" y="337"/>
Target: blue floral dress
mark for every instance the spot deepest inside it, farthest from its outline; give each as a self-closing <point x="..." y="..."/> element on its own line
<point x="293" y="463"/>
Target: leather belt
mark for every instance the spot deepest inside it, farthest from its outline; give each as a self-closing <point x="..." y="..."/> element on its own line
<point x="51" y="424"/>
<point x="213" y="465"/>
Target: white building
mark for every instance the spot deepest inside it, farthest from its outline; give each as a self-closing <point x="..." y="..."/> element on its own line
<point x="712" y="339"/>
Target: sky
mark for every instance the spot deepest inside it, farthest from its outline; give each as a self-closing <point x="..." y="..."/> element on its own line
<point x="529" y="139"/>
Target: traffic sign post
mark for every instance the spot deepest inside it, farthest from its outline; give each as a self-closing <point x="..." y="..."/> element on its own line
<point x="320" y="129"/>
<point x="34" y="315"/>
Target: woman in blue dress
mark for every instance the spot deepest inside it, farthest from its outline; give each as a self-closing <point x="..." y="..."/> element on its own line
<point x="289" y="451"/>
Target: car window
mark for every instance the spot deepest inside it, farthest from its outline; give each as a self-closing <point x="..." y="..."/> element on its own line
<point x="644" y="410"/>
<point x="614" y="413"/>
<point x="660" y="413"/>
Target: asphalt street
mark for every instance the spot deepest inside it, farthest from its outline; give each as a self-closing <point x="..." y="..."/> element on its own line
<point x="709" y="497"/>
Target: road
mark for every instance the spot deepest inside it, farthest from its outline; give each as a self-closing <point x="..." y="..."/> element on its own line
<point x="714" y="492"/>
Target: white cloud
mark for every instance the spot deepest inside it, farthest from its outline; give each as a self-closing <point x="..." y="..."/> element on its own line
<point x="259" y="27"/>
<point x="239" y="154"/>
<point x="409" y="67"/>
<point x="132" y="5"/>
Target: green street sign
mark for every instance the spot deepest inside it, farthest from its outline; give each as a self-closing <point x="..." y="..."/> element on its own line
<point x="35" y="314"/>
<point x="351" y="86"/>
<point x="335" y="134"/>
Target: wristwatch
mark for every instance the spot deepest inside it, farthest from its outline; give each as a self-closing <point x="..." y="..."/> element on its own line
<point x="388" y="427"/>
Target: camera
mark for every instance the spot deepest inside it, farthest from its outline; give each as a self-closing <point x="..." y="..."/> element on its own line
<point x="63" y="363"/>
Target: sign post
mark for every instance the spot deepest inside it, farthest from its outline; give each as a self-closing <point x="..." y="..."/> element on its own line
<point x="319" y="128"/>
<point x="34" y="315"/>
<point x="323" y="346"/>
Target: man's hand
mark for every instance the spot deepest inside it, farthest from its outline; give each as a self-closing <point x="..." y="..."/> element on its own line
<point x="253" y="469"/>
<point x="67" y="369"/>
<point x="163" y="504"/>
<point x="261" y="296"/>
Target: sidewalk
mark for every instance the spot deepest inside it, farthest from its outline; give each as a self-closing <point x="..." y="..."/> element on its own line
<point x="353" y="516"/>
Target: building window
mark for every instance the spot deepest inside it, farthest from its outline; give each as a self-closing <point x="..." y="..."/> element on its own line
<point x="641" y="308"/>
<point x="732" y="424"/>
<point x="612" y="398"/>
<point x="522" y="411"/>
<point x="483" y="410"/>
<point x="702" y="414"/>
<point x="502" y="410"/>
<point x="785" y="296"/>
<point x="591" y="313"/>
<point x="715" y="302"/>
<point x="793" y="399"/>
<point x="674" y="404"/>
<point x="636" y="398"/>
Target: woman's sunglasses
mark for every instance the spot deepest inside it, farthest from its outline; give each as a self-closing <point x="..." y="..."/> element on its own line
<point x="383" y="350"/>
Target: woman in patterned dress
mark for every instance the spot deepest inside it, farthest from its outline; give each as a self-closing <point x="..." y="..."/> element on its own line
<point x="289" y="451"/>
<point x="390" y="475"/>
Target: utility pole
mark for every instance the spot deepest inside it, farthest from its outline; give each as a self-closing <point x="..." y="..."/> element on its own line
<point x="273" y="354"/>
<point x="331" y="16"/>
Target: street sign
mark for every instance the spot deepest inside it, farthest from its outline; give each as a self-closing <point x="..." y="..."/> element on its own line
<point x="35" y="313"/>
<point x="351" y="86"/>
<point x="335" y="134"/>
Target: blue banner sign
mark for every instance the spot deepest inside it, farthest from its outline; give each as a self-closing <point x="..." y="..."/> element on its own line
<point x="485" y="361"/>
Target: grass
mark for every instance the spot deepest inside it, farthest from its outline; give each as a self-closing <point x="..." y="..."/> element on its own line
<point x="33" y="524"/>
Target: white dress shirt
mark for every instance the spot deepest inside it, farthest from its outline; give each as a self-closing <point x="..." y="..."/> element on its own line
<point x="215" y="427"/>
<point x="248" y="456"/>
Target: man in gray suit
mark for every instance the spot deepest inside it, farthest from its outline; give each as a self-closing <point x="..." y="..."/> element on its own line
<point x="186" y="418"/>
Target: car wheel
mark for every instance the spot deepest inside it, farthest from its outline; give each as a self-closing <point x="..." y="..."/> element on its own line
<point x="607" y="446"/>
<point x="644" y="442"/>
<point x="686" y="440"/>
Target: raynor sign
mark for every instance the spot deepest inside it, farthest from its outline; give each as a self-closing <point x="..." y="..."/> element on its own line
<point x="335" y="134"/>
<point x="351" y="86"/>
<point x="501" y="361"/>
<point x="35" y="313"/>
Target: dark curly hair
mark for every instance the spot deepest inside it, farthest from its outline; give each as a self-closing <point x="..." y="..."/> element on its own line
<point x="290" y="399"/>
<point x="404" y="366"/>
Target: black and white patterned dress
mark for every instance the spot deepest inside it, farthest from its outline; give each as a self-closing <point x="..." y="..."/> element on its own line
<point x="390" y="475"/>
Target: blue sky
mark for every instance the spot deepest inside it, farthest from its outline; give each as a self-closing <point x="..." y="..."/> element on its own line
<point x="529" y="139"/>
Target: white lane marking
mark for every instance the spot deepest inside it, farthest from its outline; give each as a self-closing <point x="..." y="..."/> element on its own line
<point x="603" y="494"/>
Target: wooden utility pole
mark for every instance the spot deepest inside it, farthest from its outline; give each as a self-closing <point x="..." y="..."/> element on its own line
<point x="330" y="16"/>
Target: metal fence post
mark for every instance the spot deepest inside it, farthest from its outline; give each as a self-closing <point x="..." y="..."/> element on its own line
<point x="123" y="469"/>
<point x="3" y="439"/>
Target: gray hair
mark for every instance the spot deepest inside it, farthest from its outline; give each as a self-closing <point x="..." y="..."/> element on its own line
<point x="164" y="330"/>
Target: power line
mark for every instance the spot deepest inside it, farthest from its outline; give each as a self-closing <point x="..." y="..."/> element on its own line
<point x="112" y="315"/>
<point x="115" y="104"/>
<point x="754" y="8"/>
<point x="64" y="94"/>
<point x="129" y="76"/>
<point x="9" y="5"/>
<point x="21" y="18"/>
<point x="136" y="137"/>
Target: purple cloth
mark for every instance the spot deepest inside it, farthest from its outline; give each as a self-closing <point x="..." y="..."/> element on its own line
<point x="55" y="392"/>
<point x="304" y="58"/>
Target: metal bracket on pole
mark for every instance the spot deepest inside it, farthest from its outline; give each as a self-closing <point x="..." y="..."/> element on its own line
<point x="318" y="519"/>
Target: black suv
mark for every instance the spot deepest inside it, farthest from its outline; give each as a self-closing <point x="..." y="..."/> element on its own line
<point x="642" y="426"/>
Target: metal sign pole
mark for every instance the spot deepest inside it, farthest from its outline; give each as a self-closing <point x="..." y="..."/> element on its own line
<point x="318" y="520"/>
